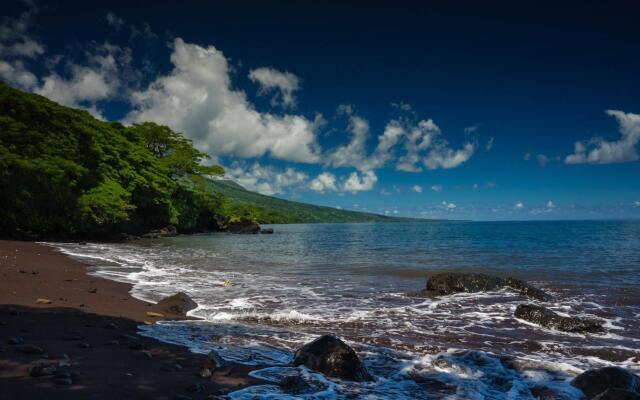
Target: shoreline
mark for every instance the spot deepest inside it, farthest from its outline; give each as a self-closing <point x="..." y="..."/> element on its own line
<point x="58" y="313"/>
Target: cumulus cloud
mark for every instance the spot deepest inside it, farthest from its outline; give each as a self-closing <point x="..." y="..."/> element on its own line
<point x="402" y="106"/>
<point x="600" y="151"/>
<point x="325" y="182"/>
<point x="267" y="180"/>
<point x="416" y="188"/>
<point x="197" y="98"/>
<point x="550" y="205"/>
<point x="489" y="144"/>
<point x="360" y="182"/>
<point x="518" y="206"/>
<point x="114" y="21"/>
<point x="437" y="188"/>
<point x="448" y="206"/>
<point x="636" y="203"/>
<point x="284" y="84"/>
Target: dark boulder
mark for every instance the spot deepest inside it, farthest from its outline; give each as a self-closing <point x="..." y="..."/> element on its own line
<point x="266" y="231"/>
<point x="332" y="357"/>
<point x="549" y="319"/>
<point x="167" y="231"/>
<point x="607" y="383"/>
<point x="294" y="385"/>
<point x="242" y="225"/>
<point x="179" y="303"/>
<point x="447" y="283"/>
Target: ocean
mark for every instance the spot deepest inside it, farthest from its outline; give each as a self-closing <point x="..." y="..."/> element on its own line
<point x="352" y="280"/>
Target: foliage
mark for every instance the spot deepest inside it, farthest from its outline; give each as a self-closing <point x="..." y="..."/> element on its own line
<point x="65" y="173"/>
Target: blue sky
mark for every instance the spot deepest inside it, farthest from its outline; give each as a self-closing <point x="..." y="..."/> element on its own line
<point x="402" y="108"/>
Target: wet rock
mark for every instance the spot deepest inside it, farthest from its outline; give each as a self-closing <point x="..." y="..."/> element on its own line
<point x="31" y="349"/>
<point x="178" y="396"/>
<point x="136" y="346"/>
<point x="266" y="231"/>
<point x="71" y="337"/>
<point x="155" y="314"/>
<point x="63" y="381"/>
<point x="332" y="357"/>
<point x="111" y="325"/>
<point x="13" y="312"/>
<point x="167" y="231"/>
<point x="595" y="383"/>
<point x="205" y="373"/>
<point x="294" y="385"/>
<point x="93" y="290"/>
<point x="112" y="342"/>
<point x="84" y="345"/>
<point x="215" y="360"/>
<point x="179" y="303"/>
<point x="43" y="301"/>
<point x="42" y="370"/>
<point x="461" y="282"/>
<point x="549" y="319"/>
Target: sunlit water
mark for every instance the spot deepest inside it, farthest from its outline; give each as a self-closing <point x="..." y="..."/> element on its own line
<point x="351" y="280"/>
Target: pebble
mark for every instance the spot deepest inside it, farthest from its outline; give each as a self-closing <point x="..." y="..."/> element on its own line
<point x="84" y="345"/>
<point x="42" y="370"/>
<point x="111" y="325"/>
<point x="205" y="373"/>
<point x="93" y="290"/>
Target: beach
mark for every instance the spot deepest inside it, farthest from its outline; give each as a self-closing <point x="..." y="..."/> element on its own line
<point x="90" y="332"/>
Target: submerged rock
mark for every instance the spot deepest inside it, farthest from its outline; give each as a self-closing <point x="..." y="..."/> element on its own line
<point x="332" y="357"/>
<point x="215" y="361"/>
<point x="179" y="303"/>
<point x="608" y="383"/>
<point x="294" y="385"/>
<point x="447" y="283"/>
<point x="242" y="225"/>
<point x="550" y="319"/>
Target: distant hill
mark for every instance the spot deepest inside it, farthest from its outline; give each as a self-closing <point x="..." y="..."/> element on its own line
<point x="274" y="210"/>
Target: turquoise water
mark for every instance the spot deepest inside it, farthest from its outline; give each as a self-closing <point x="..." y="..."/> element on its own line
<point x="351" y="280"/>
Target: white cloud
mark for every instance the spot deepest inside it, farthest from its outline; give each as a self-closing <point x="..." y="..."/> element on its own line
<point x="114" y="21"/>
<point x="267" y="180"/>
<point x="600" y="151"/>
<point x="518" y="206"/>
<point x="437" y="188"/>
<point x="636" y="203"/>
<point x="360" y="182"/>
<point x="325" y="182"/>
<point x="448" y="206"/>
<point x="444" y="157"/>
<point x="402" y="106"/>
<point x="284" y="83"/>
<point x="197" y="99"/>
<point x="17" y="74"/>
<point x="489" y="144"/>
<point x="416" y="188"/>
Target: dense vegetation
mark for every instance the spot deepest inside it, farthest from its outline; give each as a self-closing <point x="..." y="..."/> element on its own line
<point x="64" y="173"/>
<point x="273" y="210"/>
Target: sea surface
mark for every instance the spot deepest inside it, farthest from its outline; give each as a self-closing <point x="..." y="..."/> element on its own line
<point x="352" y="280"/>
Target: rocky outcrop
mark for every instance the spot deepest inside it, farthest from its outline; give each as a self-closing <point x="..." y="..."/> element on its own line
<point x="242" y="225"/>
<point x="266" y="231"/>
<point x="459" y="282"/>
<point x="179" y="303"/>
<point x="332" y="357"/>
<point x="550" y="319"/>
<point x="608" y="383"/>
<point x="167" y="231"/>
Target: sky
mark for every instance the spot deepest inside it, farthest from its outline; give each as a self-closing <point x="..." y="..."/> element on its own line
<point x="492" y="111"/>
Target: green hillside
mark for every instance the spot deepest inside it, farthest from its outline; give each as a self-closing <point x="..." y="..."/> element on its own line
<point x="268" y="209"/>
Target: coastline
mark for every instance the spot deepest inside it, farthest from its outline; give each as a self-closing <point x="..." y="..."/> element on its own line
<point x="90" y="329"/>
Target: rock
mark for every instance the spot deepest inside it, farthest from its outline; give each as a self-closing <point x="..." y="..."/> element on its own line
<point x="43" y="301"/>
<point x="42" y="370"/>
<point x="447" y="283"/>
<point x="136" y="346"/>
<point x="294" y="385"/>
<point x="111" y="325"/>
<point x="13" y="312"/>
<point x="205" y="373"/>
<point x="179" y="396"/>
<point x="242" y="225"/>
<point x="31" y="349"/>
<point x="112" y="343"/>
<point x="196" y="388"/>
<point x="93" y="290"/>
<point x="84" y="345"/>
<point x="70" y="337"/>
<point x="266" y="231"/>
<point x="63" y="381"/>
<point x="215" y="360"/>
<point x="549" y="319"/>
<point x="155" y="314"/>
<point x="167" y="231"/>
<point x="332" y="357"/>
<point x="595" y="383"/>
<point x="179" y="303"/>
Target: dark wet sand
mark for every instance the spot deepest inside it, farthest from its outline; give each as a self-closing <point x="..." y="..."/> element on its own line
<point x="117" y="364"/>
